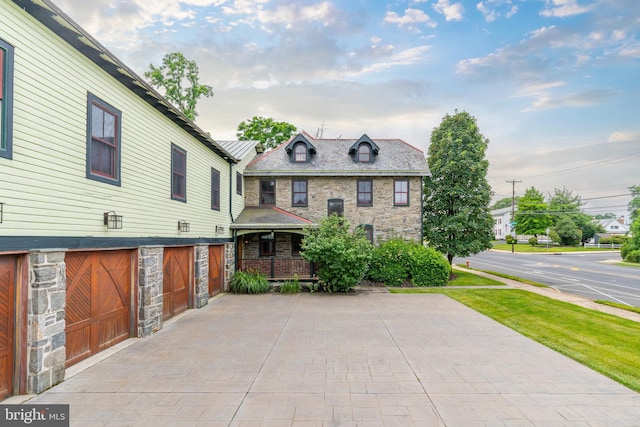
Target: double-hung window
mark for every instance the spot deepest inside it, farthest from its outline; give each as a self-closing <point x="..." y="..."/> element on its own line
<point x="239" y="183"/>
<point x="103" y="141"/>
<point x="178" y="173"/>
<point x="299" y="192"/>
<point x="335" y="206"/>
<point x="215" y="189"/>
<point x="6" y="99"/>
<point x="365" y="192"/>
<point x="267" y="192"/>
<point x="401" y="192"/>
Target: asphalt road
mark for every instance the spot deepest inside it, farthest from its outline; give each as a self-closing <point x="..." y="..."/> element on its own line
<point x="587" y="274"/>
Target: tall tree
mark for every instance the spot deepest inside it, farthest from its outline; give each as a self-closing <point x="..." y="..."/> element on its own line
<point x="179" y="78"/>
<point x="505" y="203"/>
<point x="266" y="130"/>
<point x="634" y="204"/>
<point x="457" y="221"/>
<point x="564" y="204"/>
<point x="532" y="216"/>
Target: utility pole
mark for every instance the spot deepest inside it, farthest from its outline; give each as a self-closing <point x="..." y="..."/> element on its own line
<point x="513" y="211"/>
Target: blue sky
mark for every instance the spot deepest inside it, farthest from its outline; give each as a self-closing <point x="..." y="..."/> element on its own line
<point x="554" y="84"/>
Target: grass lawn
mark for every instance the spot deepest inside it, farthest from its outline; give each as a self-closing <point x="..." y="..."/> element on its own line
<point x="506" y="276"/>
<point x="606" y="343"/>
<point x="525" y="247"/>
<point x="469" y="279"/>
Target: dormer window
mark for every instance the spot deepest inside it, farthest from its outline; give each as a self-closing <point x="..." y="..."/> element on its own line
<point x="300" y="152"/>
<point x="364" y="153"/>
<point x="364" y="150"/>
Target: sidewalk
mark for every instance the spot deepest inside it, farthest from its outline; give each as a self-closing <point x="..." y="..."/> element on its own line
<point x="365" y="359"/>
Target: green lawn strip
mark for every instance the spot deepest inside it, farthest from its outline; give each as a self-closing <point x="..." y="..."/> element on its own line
<point x="506" y="276"/>
<point x="618" y="305"/>
<point x="628" y="264"/>
<point x="524" y="247"/>
<point x="469" y="279"/>
<point x="603" y="342"/>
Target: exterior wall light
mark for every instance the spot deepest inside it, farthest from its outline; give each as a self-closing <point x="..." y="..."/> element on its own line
<point x="112" y="221"/>
<point x="183" y="226"/>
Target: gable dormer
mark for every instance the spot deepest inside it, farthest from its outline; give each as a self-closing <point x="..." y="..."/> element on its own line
<point x="364" y="150"/>
<point x="300" y="149"/>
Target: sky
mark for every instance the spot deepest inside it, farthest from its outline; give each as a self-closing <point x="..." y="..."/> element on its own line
<point x="553" y="84"/>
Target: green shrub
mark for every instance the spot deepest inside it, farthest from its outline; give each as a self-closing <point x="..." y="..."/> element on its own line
<point x="342" y="256"/>
<point x="428" y="267"/>
<point x="510" y="239"/>
<point x="533" y="240"/>
<point x="616" y="240"/>
<point x="249" y="282"/>
<point x="390" y="262"/>
<point x="290" y="286"/>
<point x="633" y="256"/>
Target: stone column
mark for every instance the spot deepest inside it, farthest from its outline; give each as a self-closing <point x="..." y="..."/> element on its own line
<point x="150" y="277"/>
<point x="46" y="320"/>
<point x="229" y="264"/>
<point x="201" y="270"/>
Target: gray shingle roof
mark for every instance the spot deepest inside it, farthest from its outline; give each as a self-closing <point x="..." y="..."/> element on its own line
<point x="395" y="158"/>
<point x="271" y="217"/>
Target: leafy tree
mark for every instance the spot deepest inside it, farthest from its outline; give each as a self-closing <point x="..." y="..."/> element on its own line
<point x="457" y="221"/>
<point x="605" y="216"/>
<point x="532" y="216"/>
<point x="266" y="130"/>
<point x="630" y="250"/>
<point x="505" y="203"/>
<point x="634" y="204"/>
<point x="564" y="203"/>
<point x="179" y="78"/>
<point x="342" y="256"/>
<point x="567" y="231"/>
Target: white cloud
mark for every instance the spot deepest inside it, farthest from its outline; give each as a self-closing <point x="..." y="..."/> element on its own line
<point x="410" y="17"/>
<point x="564" y="8"/>
<point x="451" y="12"/>
<point x="406" y="57"/>
<point x="624" y="136"/>
<point x="493" y="9"/>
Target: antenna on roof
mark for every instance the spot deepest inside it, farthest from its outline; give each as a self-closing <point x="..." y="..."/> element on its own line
<point x="320" y="131"/>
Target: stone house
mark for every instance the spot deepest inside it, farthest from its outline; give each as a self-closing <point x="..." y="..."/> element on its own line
<point x="115" y="208"/>
<point x="375" y="184"/>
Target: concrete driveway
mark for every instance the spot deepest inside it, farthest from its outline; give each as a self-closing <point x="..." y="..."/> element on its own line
<point x="367" y="359"/>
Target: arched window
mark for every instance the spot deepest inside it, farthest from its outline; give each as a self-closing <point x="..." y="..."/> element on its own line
<point x="364" y="153"/>
<point x="300" y="152"/>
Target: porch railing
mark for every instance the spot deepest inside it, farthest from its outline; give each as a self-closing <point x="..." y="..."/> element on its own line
<point x="273" y="267"/>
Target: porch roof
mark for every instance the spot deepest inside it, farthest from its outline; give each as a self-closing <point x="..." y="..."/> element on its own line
<point x="269" y="218"/>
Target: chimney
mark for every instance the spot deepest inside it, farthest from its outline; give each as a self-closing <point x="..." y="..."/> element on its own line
<point x="621" y="220"/>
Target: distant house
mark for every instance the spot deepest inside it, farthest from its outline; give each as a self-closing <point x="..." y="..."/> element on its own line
<point x="115" y="209"/>
<point x="375" y="184"/>
<point x="501" y="223"/>
<point x="614" y="226"/>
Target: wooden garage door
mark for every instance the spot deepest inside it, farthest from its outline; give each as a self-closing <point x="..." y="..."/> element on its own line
<point x="98" y="302"/>
<point x="7" y="286"/>
<point x="216" y="269"/>
<point x="175" y="283"/>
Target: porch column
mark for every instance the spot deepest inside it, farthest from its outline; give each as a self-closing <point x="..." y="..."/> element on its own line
<point x="150" y="277"/>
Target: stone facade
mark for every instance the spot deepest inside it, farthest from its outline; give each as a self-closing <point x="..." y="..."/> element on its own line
<point x="46" y="350"/>
<point x="230" y="264"/>
<point x="388" y="221"/>
<point x="150" y="277"/>
<point x="201" y="270"/>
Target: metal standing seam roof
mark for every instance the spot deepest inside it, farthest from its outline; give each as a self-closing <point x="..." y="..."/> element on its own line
<point x="239" y="149"/>
<point x="395" y="158"/>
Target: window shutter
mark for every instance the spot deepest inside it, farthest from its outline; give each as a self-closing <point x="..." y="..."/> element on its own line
<point x="1" y="71"/>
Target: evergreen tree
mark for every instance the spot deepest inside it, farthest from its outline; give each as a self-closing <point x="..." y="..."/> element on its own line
<point x="457" y="221"/>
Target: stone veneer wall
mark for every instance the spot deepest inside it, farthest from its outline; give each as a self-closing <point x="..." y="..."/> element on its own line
<point x="201" y="276"/>
<point x="388" y="220"/>
<point x="150" y="277"/>
<point x="46" y="321"/>
<point x="230" y="264"/>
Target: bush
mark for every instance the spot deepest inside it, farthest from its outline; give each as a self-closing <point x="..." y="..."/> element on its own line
<point x="398" y="261"/>
<point x="616" y="240"/>
<point x="249" y="282"/>
<point x="511" y="239"/>
<point x="533" y="240"/>
<point x="633" y="256"/>
<point x="342" y="256"/>
<point x="428" y="267"/>
<point x="390" y="262"/>
<point x="290" y="286"/>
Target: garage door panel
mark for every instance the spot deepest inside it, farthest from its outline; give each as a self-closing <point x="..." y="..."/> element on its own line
<point x="176" y="281"/>
<point x="98" y="302"/>
<point x="7" y="289"/>
<point x="215" y="269"/>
